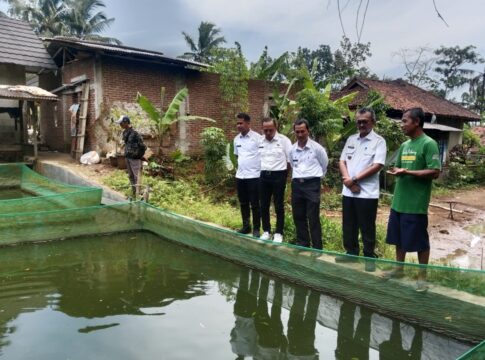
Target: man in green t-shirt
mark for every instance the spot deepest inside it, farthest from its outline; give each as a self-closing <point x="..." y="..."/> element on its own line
<point x="418" y="163"/>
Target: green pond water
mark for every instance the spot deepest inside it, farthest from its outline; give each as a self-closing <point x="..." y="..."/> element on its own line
<point x="136" y="296"/>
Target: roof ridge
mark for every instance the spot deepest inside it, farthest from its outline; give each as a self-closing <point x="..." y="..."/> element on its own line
<point x="439" y="97"/>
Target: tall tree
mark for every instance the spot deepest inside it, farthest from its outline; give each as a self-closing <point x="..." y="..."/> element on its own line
<point x="349" y="60"/>
<point x="47" y="17"/>
<point x="207" y="41"/>
<point x="475" y="97"/>
<point x="86" y="22"/>
<point x="418" y="63"/>
<point x="319" y="60"/>
<point x="77" y="18"/>
<point x="451" y="66"/>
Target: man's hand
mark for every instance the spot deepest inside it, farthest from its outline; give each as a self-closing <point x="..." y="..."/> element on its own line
<point x="397" y="171"/>
<point x="355" y="189"/>
<point x="348" y="182"/>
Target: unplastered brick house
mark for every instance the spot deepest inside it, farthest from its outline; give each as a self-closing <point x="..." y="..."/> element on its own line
<point x="115" y="74"/>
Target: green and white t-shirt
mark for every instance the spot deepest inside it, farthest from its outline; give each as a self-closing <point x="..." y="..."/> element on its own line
<point x="412" y="194"/>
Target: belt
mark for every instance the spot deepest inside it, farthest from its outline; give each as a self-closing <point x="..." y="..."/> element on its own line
<point x="271" y="172"/>
<point x="305" y="180"/>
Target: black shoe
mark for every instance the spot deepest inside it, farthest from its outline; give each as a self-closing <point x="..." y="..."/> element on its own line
<point x="347" y="258"/>
<point x="256" y="233"/>
<point x="244" y="230"/>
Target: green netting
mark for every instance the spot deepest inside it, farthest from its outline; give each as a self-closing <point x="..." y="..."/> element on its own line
<point x="25" y="190"/>
<point x="454" y="303"/>
<point x="477" y="353"/>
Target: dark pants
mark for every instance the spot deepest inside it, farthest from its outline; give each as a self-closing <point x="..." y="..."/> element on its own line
<point x="359" y="214"/>
<point x="301" y="323"/>
<point x="133" y="168"/>
<point x="273" y="184"/>
<point x="248" y="194"/>
<point x="305" y="201"/>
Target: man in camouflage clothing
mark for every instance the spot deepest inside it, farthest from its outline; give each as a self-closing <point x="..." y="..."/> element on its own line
<point x="134" y="151"/>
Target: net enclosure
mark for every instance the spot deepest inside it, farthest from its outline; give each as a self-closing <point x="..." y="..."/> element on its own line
<point x="24" y="190"/>
<point x="454" y="304"/>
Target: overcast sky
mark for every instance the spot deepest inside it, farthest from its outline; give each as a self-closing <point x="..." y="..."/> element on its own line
<point x="286" y="24"/>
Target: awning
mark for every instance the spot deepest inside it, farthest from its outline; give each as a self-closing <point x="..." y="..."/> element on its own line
<point x="23" y="92"/>
<point x="440" y="127"/>
<point x="435" y="126"/>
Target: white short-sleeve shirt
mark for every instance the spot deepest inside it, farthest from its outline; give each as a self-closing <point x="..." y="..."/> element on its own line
<point x="275" y="154"/>
<point x="246" y="148"/>
<point x="309" y="161"/>
<point x="359" y="154"/>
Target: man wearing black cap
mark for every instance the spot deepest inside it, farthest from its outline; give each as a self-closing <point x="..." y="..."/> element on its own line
<point x="134" y="151"/>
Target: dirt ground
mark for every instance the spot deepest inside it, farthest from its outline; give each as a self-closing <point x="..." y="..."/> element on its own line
<point x="458" y="241"/>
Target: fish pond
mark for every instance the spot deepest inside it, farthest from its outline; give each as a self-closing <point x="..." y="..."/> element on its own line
<point x="137" y="296"/>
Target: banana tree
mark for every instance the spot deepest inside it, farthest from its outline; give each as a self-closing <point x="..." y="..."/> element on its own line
<point x="161" y="121"/>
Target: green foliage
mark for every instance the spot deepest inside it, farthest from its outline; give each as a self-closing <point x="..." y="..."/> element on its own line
<point x="163" y="120"/>
<point x="208" y="40"/>
<point x="324" y="115"/>
<point x="76" y="18"/>
<point x="451" y="64"/>
<point x="284" y="110"/>
<point x="230" y="64"/>
<point x="391" y="131"/>
<point x="178" y="157"/>
<point x="463" y="169"/>
<point x="213" y="141"/>
<point x="348" y="61"/>
<point x="470" y="139"/>
<point x="181" y="197"/>
<point x="266" y="68"/>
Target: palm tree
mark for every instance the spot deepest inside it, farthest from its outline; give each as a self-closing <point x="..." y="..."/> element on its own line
<point x="208" y="40"/>
<point x="77" y="18"/>
<point x="85" y="22"/>
<point x="47" y="17"/>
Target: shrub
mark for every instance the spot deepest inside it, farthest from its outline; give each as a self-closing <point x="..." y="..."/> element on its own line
<point x="214" y="143"/>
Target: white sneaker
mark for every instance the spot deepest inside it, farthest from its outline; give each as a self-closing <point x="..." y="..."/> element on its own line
<point x="278" y="238"/>
<point x="265" y="236"/>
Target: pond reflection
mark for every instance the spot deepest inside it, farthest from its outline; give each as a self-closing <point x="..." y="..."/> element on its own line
<point x="135" y="296"/>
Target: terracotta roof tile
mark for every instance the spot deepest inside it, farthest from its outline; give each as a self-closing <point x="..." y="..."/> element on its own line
<point x="401" y="95"/>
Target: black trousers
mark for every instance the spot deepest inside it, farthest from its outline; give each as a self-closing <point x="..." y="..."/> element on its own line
<point x="248" y="195"/>
<point x="273" y="184"/>
<point x="305" y="201"/>
<point x="359" y="215"/>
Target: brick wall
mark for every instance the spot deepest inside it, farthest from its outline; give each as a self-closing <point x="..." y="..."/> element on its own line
<point x="122" y="79"/>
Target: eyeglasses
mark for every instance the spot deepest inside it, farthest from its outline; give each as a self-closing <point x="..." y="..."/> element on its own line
<point x="362" y="122"/>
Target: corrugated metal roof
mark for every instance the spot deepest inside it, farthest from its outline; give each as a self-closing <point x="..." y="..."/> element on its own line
<point x="22" y="92"/>
<point x="435" y="126"/>
<point x="97" y="46"/>
<point x="440" y="127"/>
<point x="21" y="46"/>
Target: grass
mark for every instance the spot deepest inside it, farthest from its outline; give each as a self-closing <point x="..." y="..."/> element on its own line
<point x="219" y="206"/>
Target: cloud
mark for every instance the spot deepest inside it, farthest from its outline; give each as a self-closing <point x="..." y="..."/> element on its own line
<point x="286" y="24"/>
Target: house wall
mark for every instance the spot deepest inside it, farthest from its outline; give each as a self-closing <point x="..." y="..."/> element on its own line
<point x="119" y="80"/>
<point x="454" y="139"/>
<point x="57" y="131"/>
<point x="10" y="75"/>
<point x="51" y="126"/>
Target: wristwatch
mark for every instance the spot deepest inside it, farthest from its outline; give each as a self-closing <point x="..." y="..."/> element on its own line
<point x="354" y="179"/>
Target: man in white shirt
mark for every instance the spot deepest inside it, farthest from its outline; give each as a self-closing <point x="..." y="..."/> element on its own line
<point x="275" y="155"/>
<point x="246" y="148"/>
<point x="309" y="162"/>
<point x="362" y="158"/>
